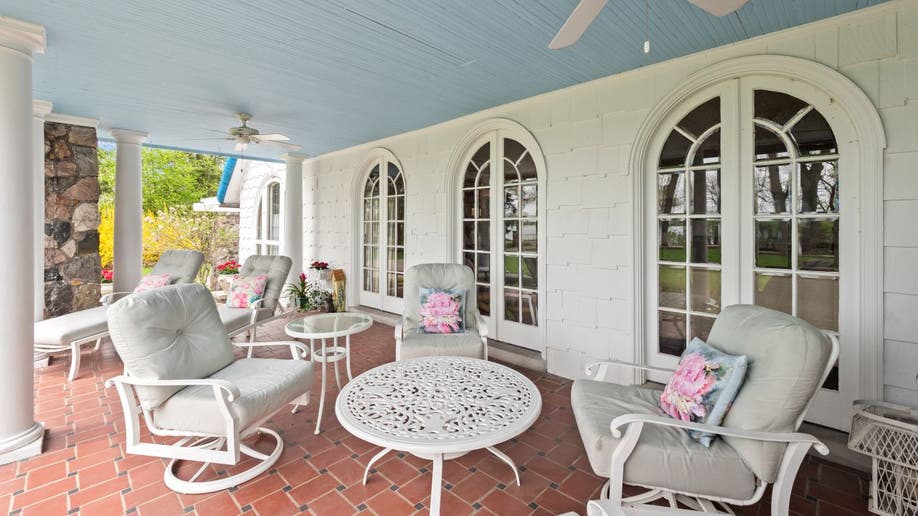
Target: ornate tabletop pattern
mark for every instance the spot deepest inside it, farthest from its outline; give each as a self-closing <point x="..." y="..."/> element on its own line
<point x="436" y="399"/>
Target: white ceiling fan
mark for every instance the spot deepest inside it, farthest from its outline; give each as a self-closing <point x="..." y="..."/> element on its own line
<point x="587" y="10"/>
<point x="244" y="135"/>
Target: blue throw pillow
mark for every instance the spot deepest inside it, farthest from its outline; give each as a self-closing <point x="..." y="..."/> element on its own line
<point x="703" y="387"/>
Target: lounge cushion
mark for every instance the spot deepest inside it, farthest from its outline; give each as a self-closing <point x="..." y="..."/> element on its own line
<point x="265" y="384"/>
<point x="64" y="329"/>
<point x="235" y="318"/>
<point x="466" y="344"/>
<point x="169" y="333"/>
<point x="664" y="457"/>
<point x="276" y="267"/>
<point x="786" y="359"/>
<point x="183" y="265"/>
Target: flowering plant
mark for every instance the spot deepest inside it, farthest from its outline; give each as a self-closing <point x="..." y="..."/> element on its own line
<point x="306" y="295"/>
<point x="107" y="275"/>
<point x="229" y="267"/>
<point x="320" y="266"/>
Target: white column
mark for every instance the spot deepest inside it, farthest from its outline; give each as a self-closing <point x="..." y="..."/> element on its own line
<point x="20" y="435"/>
<point x="292" y="237"/>
<point x="311" y="207"/>
<point x="127" y="259"/>
<point x="40" y="109"/>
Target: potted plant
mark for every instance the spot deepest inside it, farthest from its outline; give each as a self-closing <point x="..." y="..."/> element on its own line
<point x="320" y="273"/>
<point x="307" y="295"/>
<point x="225" y="273"/>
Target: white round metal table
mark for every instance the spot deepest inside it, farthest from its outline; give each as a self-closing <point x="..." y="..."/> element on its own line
<point x="438" y="408"/>
<point x="329" y="326"/>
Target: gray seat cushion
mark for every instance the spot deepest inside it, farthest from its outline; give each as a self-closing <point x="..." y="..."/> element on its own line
<point x="665" y="457"/>
<point x="183" y="265"/>
<point x="169" y="333"/>
<point x="466" y="344"/>
<point x="787" y="357"/>
<point x="235" y="318"/>
<point x="265" y="385"/>
<point x="276" y="267"/>
<point x="62" y="330"/>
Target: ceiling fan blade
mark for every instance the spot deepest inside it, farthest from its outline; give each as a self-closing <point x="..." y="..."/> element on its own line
<point x="719" y="7"/>
<point x="577" y="23"/>
<point x="272" y="137"/>
<point x="288" y="146"/>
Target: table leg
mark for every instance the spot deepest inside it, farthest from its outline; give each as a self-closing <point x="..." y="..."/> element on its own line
<point x="436" y="485"/>
<point x="347" y="356"/>
<point x="503" y="456"/>
<point x="337" y="376"/>
<point x="375" y="458"/>
<point x="321" y="393"/>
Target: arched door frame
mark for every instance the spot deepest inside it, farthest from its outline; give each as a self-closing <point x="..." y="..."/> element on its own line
<point x="458" y="159"/>
<point x="265" y="183"/>
<point x="867" y="128"/>
<point x="360" y="179"/>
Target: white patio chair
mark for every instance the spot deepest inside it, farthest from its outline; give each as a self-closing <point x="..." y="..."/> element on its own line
<point x="71" y="331"/>
<point x="409" y="343"/>
<point x="180" y="374"/>
<point x="628" y="441"/>
<point x="266" y="309"/>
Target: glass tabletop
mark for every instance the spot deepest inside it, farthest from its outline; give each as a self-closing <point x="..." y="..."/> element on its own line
<point x="328" y="325"/>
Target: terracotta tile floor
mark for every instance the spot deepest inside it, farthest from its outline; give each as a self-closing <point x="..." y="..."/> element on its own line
<point x="85" y="470"/>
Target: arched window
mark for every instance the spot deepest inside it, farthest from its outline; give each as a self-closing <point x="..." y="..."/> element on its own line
<point x="382" y="257"/>
<point x="500" y="238"/>
<point x="267" y="223"/>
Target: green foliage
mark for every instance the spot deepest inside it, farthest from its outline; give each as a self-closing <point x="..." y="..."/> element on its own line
<point x="170" y="178"/>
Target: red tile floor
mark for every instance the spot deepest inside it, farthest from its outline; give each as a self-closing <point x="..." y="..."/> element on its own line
<point x="84" y="468"/>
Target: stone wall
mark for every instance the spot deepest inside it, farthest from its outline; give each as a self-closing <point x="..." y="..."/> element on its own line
<point x="72" y="264"/>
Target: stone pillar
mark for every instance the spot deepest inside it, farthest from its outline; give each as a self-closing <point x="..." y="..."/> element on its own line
<point x="292" y="236"/>
<point x="40" y="109"/>
<point x="311" y="210"/>
<point x="128" y="240"/>
<point x="20" y="435"/>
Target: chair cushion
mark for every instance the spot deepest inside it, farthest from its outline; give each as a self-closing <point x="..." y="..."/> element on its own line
<point x="276" y="267"/>
<point x="466" y="344"/>
<point x="169" y="333"/>
<point x="786" y="359"/>
<point x="703" y="387"/>
<point x="235" y="318"/>
<point x="664" y="457"/>
<point x="182" y="264"/>
<point x="442" y="310"/>
<point x="64" y="329"/>
<point x="442" y="276"/>
<point x="265" y="385"/>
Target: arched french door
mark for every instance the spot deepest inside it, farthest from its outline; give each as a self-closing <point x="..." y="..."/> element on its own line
<point x="502" y="233"/>
<point x="382" y="236"/>
<point x="752" y="193"/>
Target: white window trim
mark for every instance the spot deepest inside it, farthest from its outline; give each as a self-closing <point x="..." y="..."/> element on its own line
<point x="453" y="186"/>
<point x="868" y="128"/>
<point x="262" y="197"/>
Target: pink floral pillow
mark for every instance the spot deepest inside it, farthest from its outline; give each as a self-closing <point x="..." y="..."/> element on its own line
<point x="442" y="310"/>
<point x="151" y="281"/>
<point x="703" y="387"/>
<point x="246" y="290"/>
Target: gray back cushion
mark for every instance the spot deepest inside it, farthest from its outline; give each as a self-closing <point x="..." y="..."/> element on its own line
<point x="438" y="275"/>
<point x="169" y="333"/>
<point x="181" y="264"/>
<point x="787" y="358"/>
<point x="276" y="267"/>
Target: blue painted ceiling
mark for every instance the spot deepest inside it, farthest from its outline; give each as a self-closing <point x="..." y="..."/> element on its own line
<point x="331" y="74"/>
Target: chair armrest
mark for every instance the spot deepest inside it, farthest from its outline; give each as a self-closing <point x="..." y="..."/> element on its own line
<point x="787" y="437"/>
<point x="290" y="343"/>
<point x="482" y="325"/>
<point x="254" y="306"/>
<point x="108" y="298"/>
<point x="399" y="330"/>
<point x="225" y="385"/>
<point x="598" y="369"/>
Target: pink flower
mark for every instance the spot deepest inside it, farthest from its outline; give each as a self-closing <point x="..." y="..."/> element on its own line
<point x="683" y="396"/>
<point x="440" y="314"/>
